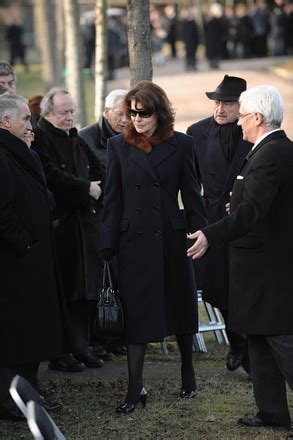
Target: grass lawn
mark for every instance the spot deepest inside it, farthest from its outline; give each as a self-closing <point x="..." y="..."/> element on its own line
<point x="89" y="401"/>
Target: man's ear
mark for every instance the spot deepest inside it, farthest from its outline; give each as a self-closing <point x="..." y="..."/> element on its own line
<point x="5" y="121"/>
<point x="259" y="118"/>
<point x="106" y="112"/>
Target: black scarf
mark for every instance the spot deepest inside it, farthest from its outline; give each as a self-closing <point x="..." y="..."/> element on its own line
<point x="106" y="131"/>
<point x="229" y="135"/>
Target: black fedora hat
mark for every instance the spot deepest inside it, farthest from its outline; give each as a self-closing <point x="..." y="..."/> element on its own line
<point x="229" y="89"/>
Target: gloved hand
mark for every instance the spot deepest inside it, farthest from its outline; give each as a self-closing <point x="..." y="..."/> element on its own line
<point x="107" y="254"/>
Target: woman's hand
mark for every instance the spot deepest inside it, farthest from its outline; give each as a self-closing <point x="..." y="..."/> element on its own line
<point x="199" y="248"/>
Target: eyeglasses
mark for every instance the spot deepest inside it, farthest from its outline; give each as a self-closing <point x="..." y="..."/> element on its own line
<point x="117" y="113"/>
<point x="241" y="116"/>
<point x="140" y="113"/>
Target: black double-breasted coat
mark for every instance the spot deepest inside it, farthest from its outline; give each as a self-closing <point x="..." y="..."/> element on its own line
<point x="143" y="224"/>
<point x="32" y="308"/>
<point x="260" y="231"/>
<point x="70" y="166"/>
<point x="217" y="176"/>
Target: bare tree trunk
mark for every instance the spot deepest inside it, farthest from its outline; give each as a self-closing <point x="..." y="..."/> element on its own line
<point x="139" y="40"/>
<point x="60" y="42"/>
<point x="101" y="57"/>
<point x="73" y="57"/>
<point x="44" y="23"/>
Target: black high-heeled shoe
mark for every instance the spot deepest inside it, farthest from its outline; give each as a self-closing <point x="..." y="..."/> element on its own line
<point x="126" y="408"/>
<point x="188" y="394"/>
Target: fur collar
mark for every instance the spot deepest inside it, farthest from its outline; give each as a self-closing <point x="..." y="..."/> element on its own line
<point x="141" y="142"/>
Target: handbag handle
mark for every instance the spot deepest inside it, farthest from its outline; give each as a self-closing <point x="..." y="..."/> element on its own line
<point x="107" y="272"/>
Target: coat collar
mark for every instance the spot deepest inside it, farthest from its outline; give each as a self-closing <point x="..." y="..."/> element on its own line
<point x="159" y="153"/>
<point x="271" y="137"/>
<point x="47" y="126"/>
<point x="19" y="151"/>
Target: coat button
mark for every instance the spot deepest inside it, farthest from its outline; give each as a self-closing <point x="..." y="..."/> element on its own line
<point x="212" y="173"/>
<point x="137" y="186"/>
<point x="139" y="234"/>
<point x="94" y="211"/>
<point x="158" y="233"/>
<point x="157" y="208"/>
<point x="156" y="185"/>
<point x="63" y="165"/>
<point x="138" y="210"/>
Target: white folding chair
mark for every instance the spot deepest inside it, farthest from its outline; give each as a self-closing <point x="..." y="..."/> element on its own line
<point x="41" y="424"/>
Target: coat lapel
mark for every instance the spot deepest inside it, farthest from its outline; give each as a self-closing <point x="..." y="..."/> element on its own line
<point x="236" y="164"/>
<point x="273" y="136"/>
<point x="22" y="156"/>
<point x="159" y="154"/>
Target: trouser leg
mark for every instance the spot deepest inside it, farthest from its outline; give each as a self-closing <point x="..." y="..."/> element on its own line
<point x="237" y="340"/>
<point x="79" y="314"/>
<point x="187" y="371"/>
<point x="268" y="382"/>
<point x="282" y="349"/>
<point x="135" y="361"/>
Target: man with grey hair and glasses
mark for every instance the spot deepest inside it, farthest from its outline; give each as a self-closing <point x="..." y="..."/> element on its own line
<point x="114" y="121"/>
<point x="259" y="230"/>
<point x="75" y="176"/>
<point x="31" y="294"/>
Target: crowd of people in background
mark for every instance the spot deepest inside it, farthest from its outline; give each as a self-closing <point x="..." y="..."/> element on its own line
<point x="213" y="31"/>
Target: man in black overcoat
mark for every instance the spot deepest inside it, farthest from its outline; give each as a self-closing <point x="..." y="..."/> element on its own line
<point x="114" y="121"/>
<point x="74" y="175"/>
<point x="220" y="151"/>
<point x="31" y="296"/>
<point x="259" y="229"/>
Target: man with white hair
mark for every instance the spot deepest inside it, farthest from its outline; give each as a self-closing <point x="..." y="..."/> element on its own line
<point x="114" y="121"/>
<point x="259" y="230"/>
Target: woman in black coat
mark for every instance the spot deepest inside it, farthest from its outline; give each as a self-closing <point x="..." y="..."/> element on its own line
<point x="143" y="224"/>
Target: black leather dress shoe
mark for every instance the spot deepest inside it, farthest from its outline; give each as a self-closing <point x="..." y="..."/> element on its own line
<point x="67" y="363"/>
<point x="51" y="406"/>
<point x="256" y="422"/>
<point x="13" y="414"/>
<point x="44" y="392"/>
<point x="100" y="353"/>
<point x="89" y="360"/>
<point x="233" y="360"/>
<point x="188" y="394"/>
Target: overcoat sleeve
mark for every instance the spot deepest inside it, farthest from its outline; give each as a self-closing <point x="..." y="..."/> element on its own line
<point x="12" y="233"/>
<point x="71" y="190"/>
<point x="112" y="201"/>
<point x="252" y="197"/>
<point x="195" y="213"/>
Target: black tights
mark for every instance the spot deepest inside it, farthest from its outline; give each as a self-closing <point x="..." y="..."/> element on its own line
<point x="135" y="361"/>
<point x="187" y="372"/>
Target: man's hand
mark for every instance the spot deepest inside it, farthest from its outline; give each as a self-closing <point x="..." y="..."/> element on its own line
<point x="227" y="207"/>
<point x="199" y="248"/>
<point x="95" y="189"/>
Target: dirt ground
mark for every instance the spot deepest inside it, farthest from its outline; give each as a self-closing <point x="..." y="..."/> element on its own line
<point x="90" y="398"/>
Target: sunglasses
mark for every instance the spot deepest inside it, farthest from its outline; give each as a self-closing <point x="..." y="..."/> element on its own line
<point x="140" y="113"/>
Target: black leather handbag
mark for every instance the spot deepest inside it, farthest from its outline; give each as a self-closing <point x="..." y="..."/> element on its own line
<point x="110" y="315"/>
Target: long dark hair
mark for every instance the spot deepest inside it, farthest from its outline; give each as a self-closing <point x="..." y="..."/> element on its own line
<point x="154" y="100"/>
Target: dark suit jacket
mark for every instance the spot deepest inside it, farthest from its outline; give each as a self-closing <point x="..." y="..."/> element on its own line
<point x="217" y="176"/>
<point x="260" y="231"/>
<point x="142" y="222"/>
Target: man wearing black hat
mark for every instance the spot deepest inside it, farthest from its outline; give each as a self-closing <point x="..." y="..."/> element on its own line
<point x="220" y="150"/>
